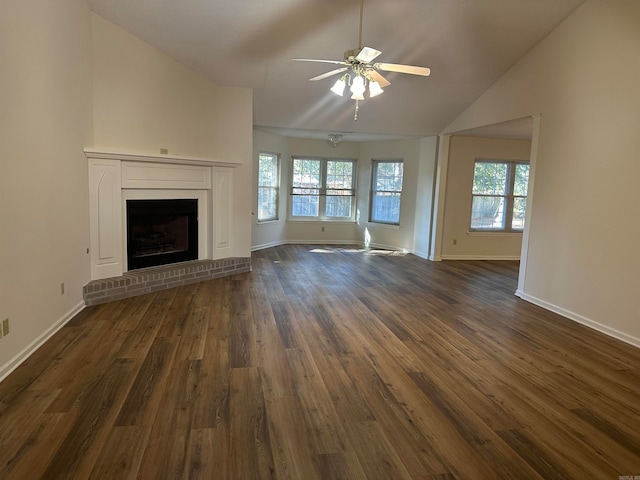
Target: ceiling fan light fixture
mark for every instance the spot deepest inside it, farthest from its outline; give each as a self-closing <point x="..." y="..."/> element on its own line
<point x="358" y="62"/>
<point x="358" y="86"/>
<point x="339" y="86"/>
<point x="374" y="89"/>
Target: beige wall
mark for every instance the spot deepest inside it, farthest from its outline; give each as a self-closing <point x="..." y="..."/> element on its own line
<point x="45" y="121"/>
<point x="463" y="151"/>
<point x="583" y="259"/>
<point x="145" y="101"/>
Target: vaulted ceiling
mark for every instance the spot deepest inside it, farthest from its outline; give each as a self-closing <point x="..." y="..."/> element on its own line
<point x="468" y="44"/>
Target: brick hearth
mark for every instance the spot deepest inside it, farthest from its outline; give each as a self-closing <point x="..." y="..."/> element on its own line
<point x="147" y="280"/>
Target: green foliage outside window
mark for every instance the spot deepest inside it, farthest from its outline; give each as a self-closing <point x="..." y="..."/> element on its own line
<point x="499" y="195"/>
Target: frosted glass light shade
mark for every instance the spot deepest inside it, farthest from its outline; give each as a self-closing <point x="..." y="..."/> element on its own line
<point x="338" y="87"/>
<point x="374" y="89"/>
<point x="358" y="87"/>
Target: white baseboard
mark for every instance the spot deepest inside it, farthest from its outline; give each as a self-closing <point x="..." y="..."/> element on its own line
<point x="302" y="242"/>
<point x="267" y="245"/>
<point x="380" y="246"/>
<point x="612" y="332"/>
<point x="16" y="361"/>
<point x="322" y="242"/>
<point x="480" y="257"/>
<point x="421" y="254"/>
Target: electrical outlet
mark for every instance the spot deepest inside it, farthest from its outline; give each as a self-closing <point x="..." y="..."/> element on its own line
<point x="322" y="229"/>
<point x="5" y="327"/>
<point x="164" y="151"/>
<point x="62" y="288"/>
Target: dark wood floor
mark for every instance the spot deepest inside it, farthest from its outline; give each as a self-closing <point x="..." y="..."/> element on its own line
<point x="325" y="363"/>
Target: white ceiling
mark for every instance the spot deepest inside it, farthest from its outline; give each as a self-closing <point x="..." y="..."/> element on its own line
<point x="468" y="44"/>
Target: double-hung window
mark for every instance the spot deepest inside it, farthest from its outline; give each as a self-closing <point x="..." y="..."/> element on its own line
<point x="268" y="186"/>
<point x="386" y="191"/>
<point x="499" y="195"/>
<point x="322" y="189"/>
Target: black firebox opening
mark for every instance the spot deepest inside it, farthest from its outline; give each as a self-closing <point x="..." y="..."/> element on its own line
<point x="161" y="232"/>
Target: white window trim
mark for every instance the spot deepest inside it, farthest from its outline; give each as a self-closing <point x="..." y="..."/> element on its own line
<point x="375" y="161"/>
<point x="508" y="215"/>
<point x="322" y="192"/>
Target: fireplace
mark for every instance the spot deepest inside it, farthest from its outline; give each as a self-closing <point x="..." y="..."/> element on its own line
<point x="160" y="232"/>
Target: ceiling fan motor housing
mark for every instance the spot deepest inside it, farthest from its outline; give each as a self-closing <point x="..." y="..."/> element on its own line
<point x="350" y="55"/>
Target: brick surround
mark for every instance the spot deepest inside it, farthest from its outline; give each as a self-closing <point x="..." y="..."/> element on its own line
<point x="147" y="280"/>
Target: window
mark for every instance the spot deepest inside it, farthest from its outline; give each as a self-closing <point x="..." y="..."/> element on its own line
<point x="386" y="191"/>
<point x="499" y="196"/>
<point x="322" y="188"/>
<point x="268" y="186"/>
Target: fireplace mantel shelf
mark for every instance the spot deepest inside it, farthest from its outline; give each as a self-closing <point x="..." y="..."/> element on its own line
<point x="155" y="158"/>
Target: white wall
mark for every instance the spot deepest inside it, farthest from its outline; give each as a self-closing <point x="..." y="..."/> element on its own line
<point x="463" y="151"/>
<point x="583" y="259"/>
<point x="45" y="120"/>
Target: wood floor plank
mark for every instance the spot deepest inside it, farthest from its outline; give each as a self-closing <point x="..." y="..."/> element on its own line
<point x="242" y="336"/>
<point x="209" y="454"/>
<point x="326" y="362"/>
<point x="250" y="451"/>
<point x="167" y="449"/>
<point x="31" y="458"/>
<point x="21" y="427"/>
<point x="147" y="384"/>
<point x="122" y="453"/>
<point x="94" y="418"/>
<point x="211" y="402"/>
<point x="324" y="429"/>
<point x="414" y="448"/>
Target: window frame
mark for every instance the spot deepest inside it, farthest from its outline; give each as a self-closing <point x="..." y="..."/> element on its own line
<point x="275" y="187"/>
<point x="322" y="191"/>
<point x="374" y="171"/>
<point x="508" y="197"/>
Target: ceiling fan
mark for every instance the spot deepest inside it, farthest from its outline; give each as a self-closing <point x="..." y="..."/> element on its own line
<point x="361" y="71"/>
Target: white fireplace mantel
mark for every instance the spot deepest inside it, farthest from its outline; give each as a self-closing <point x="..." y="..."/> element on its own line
<point x="108" y="154"/>
<point x="115" y="176"/>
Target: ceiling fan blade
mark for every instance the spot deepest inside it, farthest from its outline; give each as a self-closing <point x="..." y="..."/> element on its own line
<point x="395" y="67"/>
<point x="328" y="74"/>
<point x="335" y="62"/>
<point x="383" y="82"/>
<point x="367" y="54"/>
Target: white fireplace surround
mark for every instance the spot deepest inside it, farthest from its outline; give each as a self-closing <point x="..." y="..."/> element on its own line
<point x="115" y="177"/>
